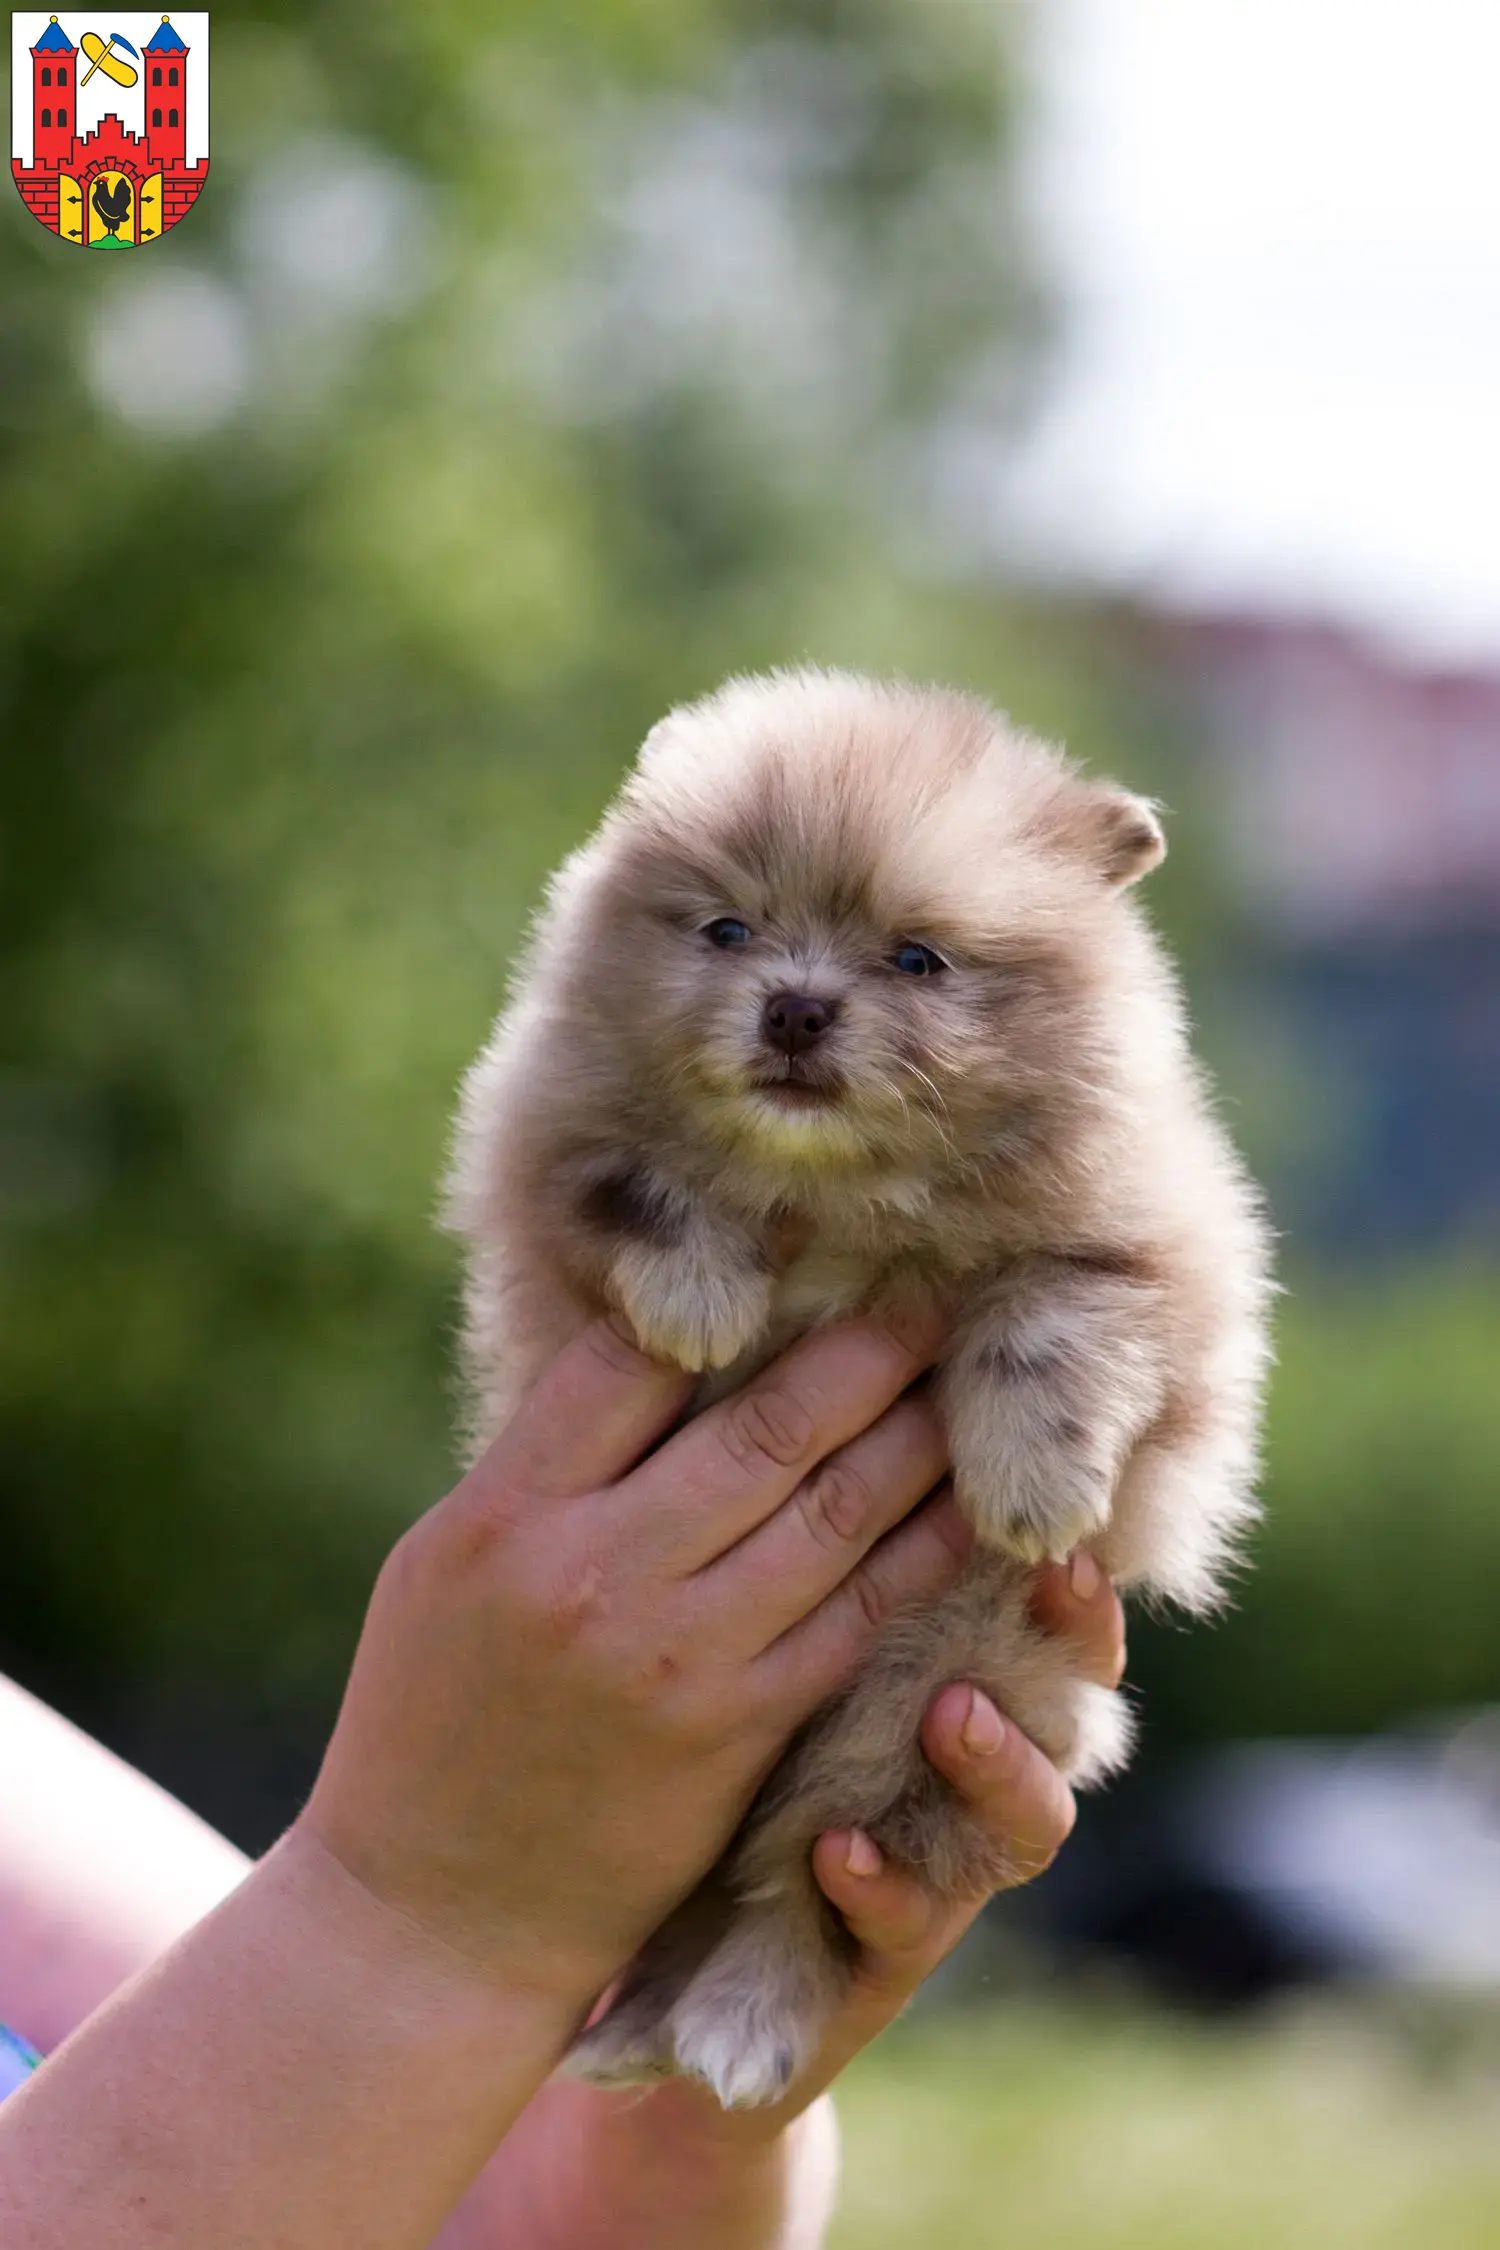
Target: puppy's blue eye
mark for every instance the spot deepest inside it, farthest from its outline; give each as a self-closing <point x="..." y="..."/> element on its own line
<point x="726" y="931"/>
<point x="918" y="961"/>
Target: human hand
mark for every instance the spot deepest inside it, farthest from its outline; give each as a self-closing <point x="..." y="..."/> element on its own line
<point x="904" y="1932"/>
<point x="667" y="2166"/>
<point x="577" y="1668"/>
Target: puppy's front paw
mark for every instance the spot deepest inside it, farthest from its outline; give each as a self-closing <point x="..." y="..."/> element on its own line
<point x="1033" y="1479"/>
<point x="1040" y="1512"/>
<point x="1044" y="1526"/>
<point x="689" y="1310"/>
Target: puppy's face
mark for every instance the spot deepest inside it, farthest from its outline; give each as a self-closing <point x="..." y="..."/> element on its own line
<point x="858" y="927"/>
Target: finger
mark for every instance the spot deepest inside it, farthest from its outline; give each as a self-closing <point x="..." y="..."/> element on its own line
<point x="590" y="1415"/>
<point x="735" y="1464"/>
<point x="1015" y="1793"/>
<point x="1076" y="1600"/>
<point x="902" y="1932"/>
<point x="889" y="1911"/>
<point x="780" y="1572"/>
<point x="920" y="1558"/>
<point x="1003" y="1778"/>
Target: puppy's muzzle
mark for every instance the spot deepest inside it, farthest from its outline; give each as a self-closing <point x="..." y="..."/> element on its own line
<point x="792" y="1022"/>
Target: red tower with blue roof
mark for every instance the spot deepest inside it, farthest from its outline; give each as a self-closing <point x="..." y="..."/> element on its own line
<point x="54" y="78"/>
<point x="166" y="93"/>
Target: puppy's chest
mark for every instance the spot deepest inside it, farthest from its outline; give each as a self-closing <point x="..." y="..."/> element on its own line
<point x="822" y="1282"/>
<point x="831" y="1262"/>
<point x="818" y="1283"/>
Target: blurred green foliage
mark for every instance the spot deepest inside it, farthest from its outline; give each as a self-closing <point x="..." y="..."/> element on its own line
<point x="1319" y="2129"/>
<point x="1372" y="1599"/>
<point x="304" y="691"/>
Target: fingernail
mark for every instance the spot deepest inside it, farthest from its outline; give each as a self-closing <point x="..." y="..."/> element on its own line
<point x="984" y="1729"/>
<point x="1084" y="1576"/>
<point x="861" y="1856"/>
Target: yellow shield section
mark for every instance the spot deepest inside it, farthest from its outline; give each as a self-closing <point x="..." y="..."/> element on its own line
<point x="118" y="188"/>
<point x="69" y="209"/>
<point x="148" y="209"/>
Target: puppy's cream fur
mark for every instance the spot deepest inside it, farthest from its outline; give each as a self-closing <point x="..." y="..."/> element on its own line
<point x="1023" y="1130"/>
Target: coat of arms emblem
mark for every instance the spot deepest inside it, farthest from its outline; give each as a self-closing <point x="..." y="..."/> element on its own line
<point x="109" y="128"/>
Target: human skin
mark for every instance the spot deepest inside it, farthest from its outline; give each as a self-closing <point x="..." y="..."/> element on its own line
<point x="373" y="2008"/>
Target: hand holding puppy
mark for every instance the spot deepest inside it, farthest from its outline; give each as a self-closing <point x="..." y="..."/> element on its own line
<point x="574" y="1672"/>
<point x="901" y="1928"/>
<point x="668" y="2166"/>
<point x="577" y="1668"/>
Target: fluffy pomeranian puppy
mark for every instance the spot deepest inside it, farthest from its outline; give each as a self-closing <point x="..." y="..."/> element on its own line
<point x="848" y="1001"/>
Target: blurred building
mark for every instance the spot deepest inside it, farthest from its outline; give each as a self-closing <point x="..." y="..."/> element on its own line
<point x="1272" y="237"/>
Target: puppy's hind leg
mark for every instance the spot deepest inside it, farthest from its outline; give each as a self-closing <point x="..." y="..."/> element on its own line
<point x="755" y="2014"/>
<point x="631" y="2044"/>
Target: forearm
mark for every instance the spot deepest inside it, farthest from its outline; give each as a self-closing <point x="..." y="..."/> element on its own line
<point x="302" y="2068"/>
<point x="662" y="2169"/>
<point x="100" y="1871"/>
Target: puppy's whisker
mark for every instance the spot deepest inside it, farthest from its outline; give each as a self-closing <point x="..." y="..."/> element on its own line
<point x="939" y="1099"/>
<point x="941" y="1116"/>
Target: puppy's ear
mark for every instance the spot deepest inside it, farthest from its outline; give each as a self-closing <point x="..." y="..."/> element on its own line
<point x="651" y="748"/>
<point x="1118" y="834"/>
<point x="1131" y="841"/>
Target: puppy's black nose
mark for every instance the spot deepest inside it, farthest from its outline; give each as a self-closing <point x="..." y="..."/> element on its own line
<point x="793" y="1022"/>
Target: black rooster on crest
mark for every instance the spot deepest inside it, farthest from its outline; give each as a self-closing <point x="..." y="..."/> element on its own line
<point x="112" y="203"/>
